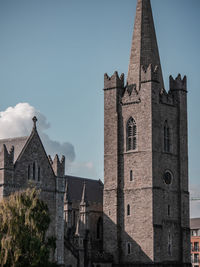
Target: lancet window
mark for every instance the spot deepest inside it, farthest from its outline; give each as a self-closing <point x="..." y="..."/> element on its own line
<point x="131" y="135"/>
<point x="166" y="137"/>
<point x="128" y="210"/>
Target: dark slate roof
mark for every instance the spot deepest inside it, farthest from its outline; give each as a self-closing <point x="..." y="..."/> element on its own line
<point x="195" y="223"/>
<point x="94" y="189"/>
<point x="18" y="143"/>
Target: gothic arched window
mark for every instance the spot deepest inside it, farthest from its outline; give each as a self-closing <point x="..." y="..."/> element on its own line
<point x="131" y="132"/>
<point x="166" y="137"/>
<point x="29" y="172"/>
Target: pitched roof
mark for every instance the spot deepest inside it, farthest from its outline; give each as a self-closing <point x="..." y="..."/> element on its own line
<point x="18" y="143"/>
<point x="195" y="223"/>
<point x="94" y="189"/>
<point x="144" y="48"/>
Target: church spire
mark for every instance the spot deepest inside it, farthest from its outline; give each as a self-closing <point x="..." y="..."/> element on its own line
<point x="144" y="48"/>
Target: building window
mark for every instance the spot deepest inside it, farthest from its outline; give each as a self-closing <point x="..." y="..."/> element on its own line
<point x="128" y="210"/>
<point x="169" y="244"/>
<point x="131" y="175"/>
<point x="168" y="210"/>
<point x="128" y="248"/>
<point x="99" y="228"/>
<point x="196" y="246"/>
<point x="167" y="177"/>
<point x="33" y="170"/>
<point x="38" y="173"/>
<point x="196" y="258"/>
<point x="131" y="132"/>
<point x="194" y="232"/>
<point x="29" y="172"/>
<point x="166" y="137"/>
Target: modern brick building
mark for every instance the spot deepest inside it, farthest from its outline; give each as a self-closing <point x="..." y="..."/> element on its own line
<point x="140" y="217"/>
<point x="195" y="241"/>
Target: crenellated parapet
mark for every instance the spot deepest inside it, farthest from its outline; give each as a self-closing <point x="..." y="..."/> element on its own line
<point x="167" y="98"/>
<point x="58" y="165"/>
<point x="114" y="81"/>
<point x="150" y="73"/>
<point x="131" y="95"/>
<point x="178" y="83"/>
<point x="6" y="157"/>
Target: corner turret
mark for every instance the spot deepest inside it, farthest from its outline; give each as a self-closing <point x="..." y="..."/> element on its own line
<point x="82" y="228"/>
<point x="59" y="166"/>
<point x="83" y="221"/>
<point x="84" y="201"/>
<point x="6" y="165"/>
<point x="114" y="81"/>
<point x="6" y="157"/>
<point x="59" y="171"/>
<point x="178" y="83"/>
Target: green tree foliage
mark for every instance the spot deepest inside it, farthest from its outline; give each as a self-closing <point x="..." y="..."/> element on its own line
<point x="24" y="220"/>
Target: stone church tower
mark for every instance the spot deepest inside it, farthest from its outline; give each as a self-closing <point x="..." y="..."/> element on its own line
<point x="146" y="199"/>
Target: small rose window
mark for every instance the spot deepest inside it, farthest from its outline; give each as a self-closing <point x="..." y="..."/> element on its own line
<point x="168" y="177"/>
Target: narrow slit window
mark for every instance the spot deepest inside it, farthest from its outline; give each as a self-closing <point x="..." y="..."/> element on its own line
<point x="128" y="248"/>
<point x="131" y="175"/>
<point x="169" y="244"/>
<point x="128" y="210"/>
<point x="38" y="173"/>
<point x="166" y="137"/>
<point x="169" y="210"/>
<point x="131" y="133"/>
<point x="34" y="171"/>
<point x="29" y="172"/>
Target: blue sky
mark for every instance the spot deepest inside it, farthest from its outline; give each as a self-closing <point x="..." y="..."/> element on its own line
<point x="54" y="53"/>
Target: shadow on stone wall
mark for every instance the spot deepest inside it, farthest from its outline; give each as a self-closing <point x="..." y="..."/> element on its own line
<point x="129" y="260"/>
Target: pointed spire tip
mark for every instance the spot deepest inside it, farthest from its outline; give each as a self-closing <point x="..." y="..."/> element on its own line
<point x="144" y="48"/>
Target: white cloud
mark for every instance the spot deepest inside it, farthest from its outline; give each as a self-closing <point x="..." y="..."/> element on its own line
<point x="83" y="169"/>
<point x="17" y="121"/>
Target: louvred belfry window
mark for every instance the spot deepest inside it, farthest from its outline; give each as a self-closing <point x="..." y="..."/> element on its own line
<point x="131" y="135"/>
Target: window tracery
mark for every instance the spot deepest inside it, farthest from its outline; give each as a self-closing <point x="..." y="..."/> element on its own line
<point x="131" y="134"/>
